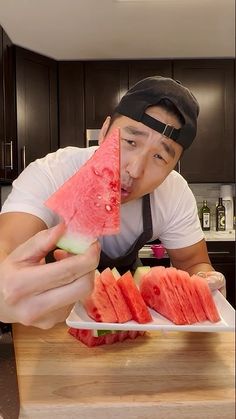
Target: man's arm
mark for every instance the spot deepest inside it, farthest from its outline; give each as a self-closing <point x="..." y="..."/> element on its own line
<point x="192" y="259"/>
<point x="32" y="292"/>
<point x="15" y="229"/>
<point x="195" y="260"/>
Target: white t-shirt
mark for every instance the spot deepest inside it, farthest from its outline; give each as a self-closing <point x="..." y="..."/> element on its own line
<point x="174" y="211"/>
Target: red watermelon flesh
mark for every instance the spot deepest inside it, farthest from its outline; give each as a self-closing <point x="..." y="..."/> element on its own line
<point x="192" y="295"/>
<point x="186" y="306"/>
<point x="98" y="304"/>
<point x="174" y="297"/>
<point x="134" y="299"/>
<point x="89" y="201"/>
<point x="116" y="297"/>
<point x="155" y="294"/>
<point x="158" y="293"/>
<point x="205" y="296"/>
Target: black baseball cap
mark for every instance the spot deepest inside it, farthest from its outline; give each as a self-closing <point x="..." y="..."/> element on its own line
<point x="148" y="92"/>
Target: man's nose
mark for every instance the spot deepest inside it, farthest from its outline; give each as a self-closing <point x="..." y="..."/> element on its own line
<point x="136" y="167"/>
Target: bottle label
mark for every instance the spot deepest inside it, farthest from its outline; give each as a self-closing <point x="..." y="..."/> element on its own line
<point x="206" y="220"/>
<point x="221" y="220"/>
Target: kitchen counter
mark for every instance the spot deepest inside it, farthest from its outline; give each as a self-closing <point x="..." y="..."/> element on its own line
<point x="162" y="375"/>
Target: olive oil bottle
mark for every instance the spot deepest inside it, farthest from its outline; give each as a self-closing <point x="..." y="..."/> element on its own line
<point x="220" y="216"/>
<point x="205" y="217"/>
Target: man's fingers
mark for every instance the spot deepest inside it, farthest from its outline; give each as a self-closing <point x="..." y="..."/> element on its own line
<point x="40" y="278"/>
<point x="38" y="246"/>
<point x="57" y="298"/>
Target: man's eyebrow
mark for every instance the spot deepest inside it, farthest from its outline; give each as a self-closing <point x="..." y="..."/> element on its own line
<point x="169" y="149"/>
<point x="132" y="130"/>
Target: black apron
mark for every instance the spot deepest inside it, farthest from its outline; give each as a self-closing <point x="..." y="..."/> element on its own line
<point x="130" y="260"/>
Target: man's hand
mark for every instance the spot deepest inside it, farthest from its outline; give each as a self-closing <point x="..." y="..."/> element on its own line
<point x="39" y="294"/>
<point x="216" y="281"/>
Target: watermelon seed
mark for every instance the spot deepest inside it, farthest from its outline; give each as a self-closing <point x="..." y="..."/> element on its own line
<point x="156" y="290"/>
<point x="99" y="196"/>
<point x="108" y="208"/>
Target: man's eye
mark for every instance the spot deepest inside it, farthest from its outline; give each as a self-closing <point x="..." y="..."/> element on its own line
<point x="130" y="142"/>
<point x="158" y="156"/>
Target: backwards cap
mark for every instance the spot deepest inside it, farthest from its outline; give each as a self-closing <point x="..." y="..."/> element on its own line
<point x="148" y="92"/>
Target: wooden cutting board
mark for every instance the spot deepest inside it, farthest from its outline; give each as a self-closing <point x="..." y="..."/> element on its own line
<point x="161" y="375"/>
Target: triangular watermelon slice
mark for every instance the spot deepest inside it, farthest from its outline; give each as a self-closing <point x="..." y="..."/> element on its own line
<point x="186" y="306"/>
<point x="192" y="295"/>
<point x="89" y="202"/>
<point x="205" y="296"/>
<point x="116" y="297"/>
<point x="98" y="304"/>
<point x="133" y="298"/>
<point x="158" y="293"/>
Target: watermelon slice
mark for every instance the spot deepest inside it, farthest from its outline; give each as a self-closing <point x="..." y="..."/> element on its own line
<point x="192" y="295"/>
<point x="98" y="304"/>
<point x="186" y="306"/>
<point x="205" y="296"/>
<point x="89" y="202"/>
<point x="116" y="297"/>
<point x="134" y="299"/>
<point x="158" y="294"/>
<point x="87" y="336"/>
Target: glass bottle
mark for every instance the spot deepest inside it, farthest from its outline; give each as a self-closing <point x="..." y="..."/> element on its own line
<point x="220" y="216"/>
<point x="205" y="217"/>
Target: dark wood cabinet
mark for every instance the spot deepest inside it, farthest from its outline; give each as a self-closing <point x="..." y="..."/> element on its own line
<point x="211" y="156"/>
<point x="37" y="106"/>
<point x="71" y="103"/>
<point x="105" y="84"/>
<point x="222" y="256"/>
<point x="139" y="70"/>
<point x="8" y="140"/>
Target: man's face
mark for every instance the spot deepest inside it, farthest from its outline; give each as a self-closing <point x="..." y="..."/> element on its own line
<point x="147" y="157"/>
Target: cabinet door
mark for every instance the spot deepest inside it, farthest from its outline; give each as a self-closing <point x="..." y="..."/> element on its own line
<point x="71" y="103"/>
<point x="36" y="87"/>
<point x="141" y="69"/>
<point x="105" y="84"/>
<point x="211" y="156"/>
<point x="11" y="169"/>
<point x="8" y="141"/>
<point x="2" y="134"/>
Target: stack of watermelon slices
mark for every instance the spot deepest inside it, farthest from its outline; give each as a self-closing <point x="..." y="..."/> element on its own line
<point x="177" y="296"/>
<point x="170" y="292"/>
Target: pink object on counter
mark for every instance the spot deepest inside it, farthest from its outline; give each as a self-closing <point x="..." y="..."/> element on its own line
<point x="158" y="250"/>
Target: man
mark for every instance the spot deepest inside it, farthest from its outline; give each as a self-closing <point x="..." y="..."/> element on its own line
<point x="158" y="121"/>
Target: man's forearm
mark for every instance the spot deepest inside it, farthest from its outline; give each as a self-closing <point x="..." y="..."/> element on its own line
<point x="200" y="267"/>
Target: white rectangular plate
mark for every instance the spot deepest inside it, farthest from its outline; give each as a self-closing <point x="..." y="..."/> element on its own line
<point x="79" y="319"/>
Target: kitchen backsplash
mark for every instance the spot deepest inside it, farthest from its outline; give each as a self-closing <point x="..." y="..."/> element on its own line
<point x="208" y="191"/>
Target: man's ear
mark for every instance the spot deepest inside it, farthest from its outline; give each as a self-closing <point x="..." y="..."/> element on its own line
<point x="104" y="130"/>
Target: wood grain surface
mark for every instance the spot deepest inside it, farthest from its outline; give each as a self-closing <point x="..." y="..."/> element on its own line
<point x="161" y="375"/>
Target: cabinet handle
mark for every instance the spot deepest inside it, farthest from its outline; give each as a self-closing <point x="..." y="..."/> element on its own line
<point x="179" y="166"/>
<point x="219" y="253"/>
<point x="23" y="157"/>
<point x="11" y="155"/>
<point x="3" y="155"/>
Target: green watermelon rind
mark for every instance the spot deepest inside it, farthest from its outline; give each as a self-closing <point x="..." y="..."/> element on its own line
<point x="75" y="243"/>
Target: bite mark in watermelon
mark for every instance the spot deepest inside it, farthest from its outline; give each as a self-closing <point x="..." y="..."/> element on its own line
<point x="89" y="201"/>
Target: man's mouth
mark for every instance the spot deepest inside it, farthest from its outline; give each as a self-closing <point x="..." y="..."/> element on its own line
<point x="125" y="191"/>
